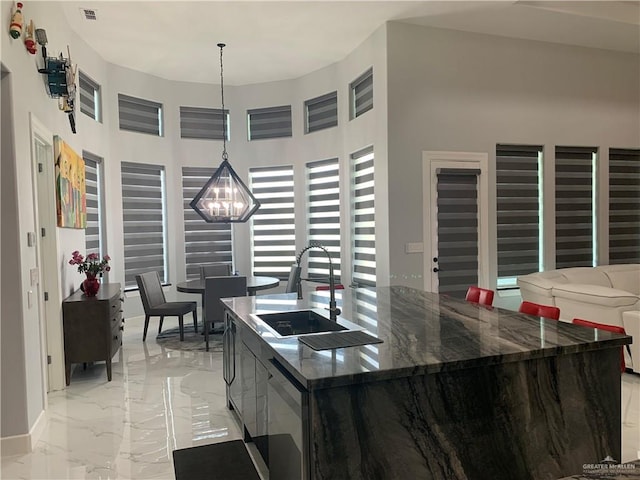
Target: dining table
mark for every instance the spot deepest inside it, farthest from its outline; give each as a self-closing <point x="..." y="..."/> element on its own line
<point x="254" y="284"/>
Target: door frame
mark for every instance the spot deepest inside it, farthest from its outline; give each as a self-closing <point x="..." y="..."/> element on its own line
<point x="49" y="312"/>
<point x="431" y="162"/>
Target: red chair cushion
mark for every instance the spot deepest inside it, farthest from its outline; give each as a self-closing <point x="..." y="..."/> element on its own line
<point x="546" y="311"/>
<point x="339" y="286"/>
<point x="479" y="295"/>
<point x="608" y="328"/>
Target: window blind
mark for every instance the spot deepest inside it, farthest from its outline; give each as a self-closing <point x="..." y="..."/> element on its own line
<point x="457" y="203"/>
<point x="89" y="96"/>
<point x="574" y="206"/>
<point x="143" y="220"/>
<point x="321" y="112"/>
<point x="94" y="232"/>
<point x="204" y="243"/>
<point x="203" y="123"/>
<point x="323" y="216"/>
<point x="362" y="94"/>
<point x="363" y="231"/>
<point x="272" y="122"/>
<point x="138" y="115"/>
<point x="518" y="209"/>
<point x="624" y="206"/>
<point x="273" y="225"/>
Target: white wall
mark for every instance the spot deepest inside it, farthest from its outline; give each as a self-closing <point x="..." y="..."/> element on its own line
<point x="460" y="91"/>
<point x="25" y="382"/>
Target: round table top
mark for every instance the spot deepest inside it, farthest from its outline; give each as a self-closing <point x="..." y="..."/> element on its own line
<point x="254" y="283"/>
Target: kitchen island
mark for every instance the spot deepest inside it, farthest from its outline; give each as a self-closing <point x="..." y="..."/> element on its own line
<point x="455" y="391"/>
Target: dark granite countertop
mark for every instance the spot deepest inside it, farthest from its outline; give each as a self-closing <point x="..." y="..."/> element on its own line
<point x="423" y="333"/>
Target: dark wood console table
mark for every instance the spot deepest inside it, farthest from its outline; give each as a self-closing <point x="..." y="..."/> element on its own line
<point x="92" y="327"/>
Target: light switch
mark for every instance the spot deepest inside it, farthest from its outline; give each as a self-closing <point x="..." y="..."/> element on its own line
<point x="417" y="247"/>
<point x="34" y="276"/>
<point x="31" y="239"/>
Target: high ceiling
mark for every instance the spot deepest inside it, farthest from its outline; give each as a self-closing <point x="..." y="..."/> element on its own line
<point x="270" y="40"/>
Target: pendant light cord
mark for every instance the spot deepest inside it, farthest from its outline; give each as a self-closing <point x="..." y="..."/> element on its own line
<point x="224" y="115"/>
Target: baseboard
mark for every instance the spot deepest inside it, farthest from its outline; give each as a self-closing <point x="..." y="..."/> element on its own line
<point x="25" y="443"/>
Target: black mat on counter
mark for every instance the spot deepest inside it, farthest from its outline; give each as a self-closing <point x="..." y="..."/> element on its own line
<point x="218" y="461"/>
<point x="328" y="341"/>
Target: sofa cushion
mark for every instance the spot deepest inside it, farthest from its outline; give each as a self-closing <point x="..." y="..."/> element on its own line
<point x="623" y="277"/>
<point x="586" y="276"/>
<point x="595" y="294"/>
<point x="541" y="283"/>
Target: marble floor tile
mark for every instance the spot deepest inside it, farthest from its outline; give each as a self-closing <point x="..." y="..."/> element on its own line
<point x="160" y="400"/>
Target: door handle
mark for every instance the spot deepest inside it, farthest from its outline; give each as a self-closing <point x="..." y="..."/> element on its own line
<point x="436" y="269"/>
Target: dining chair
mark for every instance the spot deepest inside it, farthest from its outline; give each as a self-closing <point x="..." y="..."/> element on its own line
<point x="608" y="328"/>
<point x="155" y="304"/>
<point x="216" y="288"/>
<point x="483" y="296"/>
<point x="539" y="310"/>
<point x="294" y="278"/>
<point x="215" y="270"/>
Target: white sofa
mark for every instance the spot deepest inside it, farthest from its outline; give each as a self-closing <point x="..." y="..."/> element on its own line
<point x="600" y="294"/>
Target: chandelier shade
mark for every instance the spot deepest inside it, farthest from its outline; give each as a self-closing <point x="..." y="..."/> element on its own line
<point x="224" y="198"/>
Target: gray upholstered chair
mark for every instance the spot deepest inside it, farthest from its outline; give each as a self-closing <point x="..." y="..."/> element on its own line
<point x="155" y="304"/>
<point x="294" y="278"/>
<point x="215" y="289"/>
<point x="215" y="270"/>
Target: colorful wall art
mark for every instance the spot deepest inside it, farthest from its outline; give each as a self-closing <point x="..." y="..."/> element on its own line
<point x="71" y="195"/>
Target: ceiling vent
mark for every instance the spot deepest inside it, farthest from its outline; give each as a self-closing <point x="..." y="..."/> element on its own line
<point x="89" y="13"/>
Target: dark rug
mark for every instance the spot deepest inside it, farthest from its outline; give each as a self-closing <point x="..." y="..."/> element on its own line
<point x="193" y="342"/>
<point x="218" y="461"/>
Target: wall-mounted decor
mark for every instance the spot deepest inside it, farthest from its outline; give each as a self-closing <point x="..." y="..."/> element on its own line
<point x="29" y="39"/>
<point x="15" y="27"/>
<point x="61" y="77"/>
<point x="71" y="196"/>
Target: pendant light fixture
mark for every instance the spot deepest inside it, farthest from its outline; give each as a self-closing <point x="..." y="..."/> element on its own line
<point x="225" y="198"/>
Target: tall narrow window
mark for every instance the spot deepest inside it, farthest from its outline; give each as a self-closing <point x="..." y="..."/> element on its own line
<point x="362" y="94"/>
<point x="363" y="230"/>
<point x="323" y="218"/>
<point x="139" y="115"/>
<point x="203" y="123"/>
<point x="518" y="211"/>
<point x="273" y="225"/>
<point x="143" y="209"/>
<point x="90" y="100"/>
<point x="575" y="245"/>
<point x="624" y="206"/>
<point x="204" y="243"/>
<point x="272" y="122"/>
<point x="94" y="233"/>
<point x="321" y="112"/>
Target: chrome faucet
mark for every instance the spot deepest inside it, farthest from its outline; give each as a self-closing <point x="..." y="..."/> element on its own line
<point x="334" y="311"/>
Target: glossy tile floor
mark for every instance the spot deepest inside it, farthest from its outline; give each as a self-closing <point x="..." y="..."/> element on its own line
<point x="160" y="400"/>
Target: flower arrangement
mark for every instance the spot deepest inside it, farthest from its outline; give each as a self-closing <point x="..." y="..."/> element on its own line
<point x="92" y="265"/>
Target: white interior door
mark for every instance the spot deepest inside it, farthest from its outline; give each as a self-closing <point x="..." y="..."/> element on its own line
<point x="455" y="225"/>
<point x="45" y="278"/>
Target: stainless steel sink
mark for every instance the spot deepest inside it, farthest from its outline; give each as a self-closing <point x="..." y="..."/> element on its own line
<point x="299" y="322"/>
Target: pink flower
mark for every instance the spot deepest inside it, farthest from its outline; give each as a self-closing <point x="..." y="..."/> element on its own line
<point x="92" y="265"/>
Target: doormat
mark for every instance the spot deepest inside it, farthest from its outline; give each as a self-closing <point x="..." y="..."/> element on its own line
<point x="219" y="461"/>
